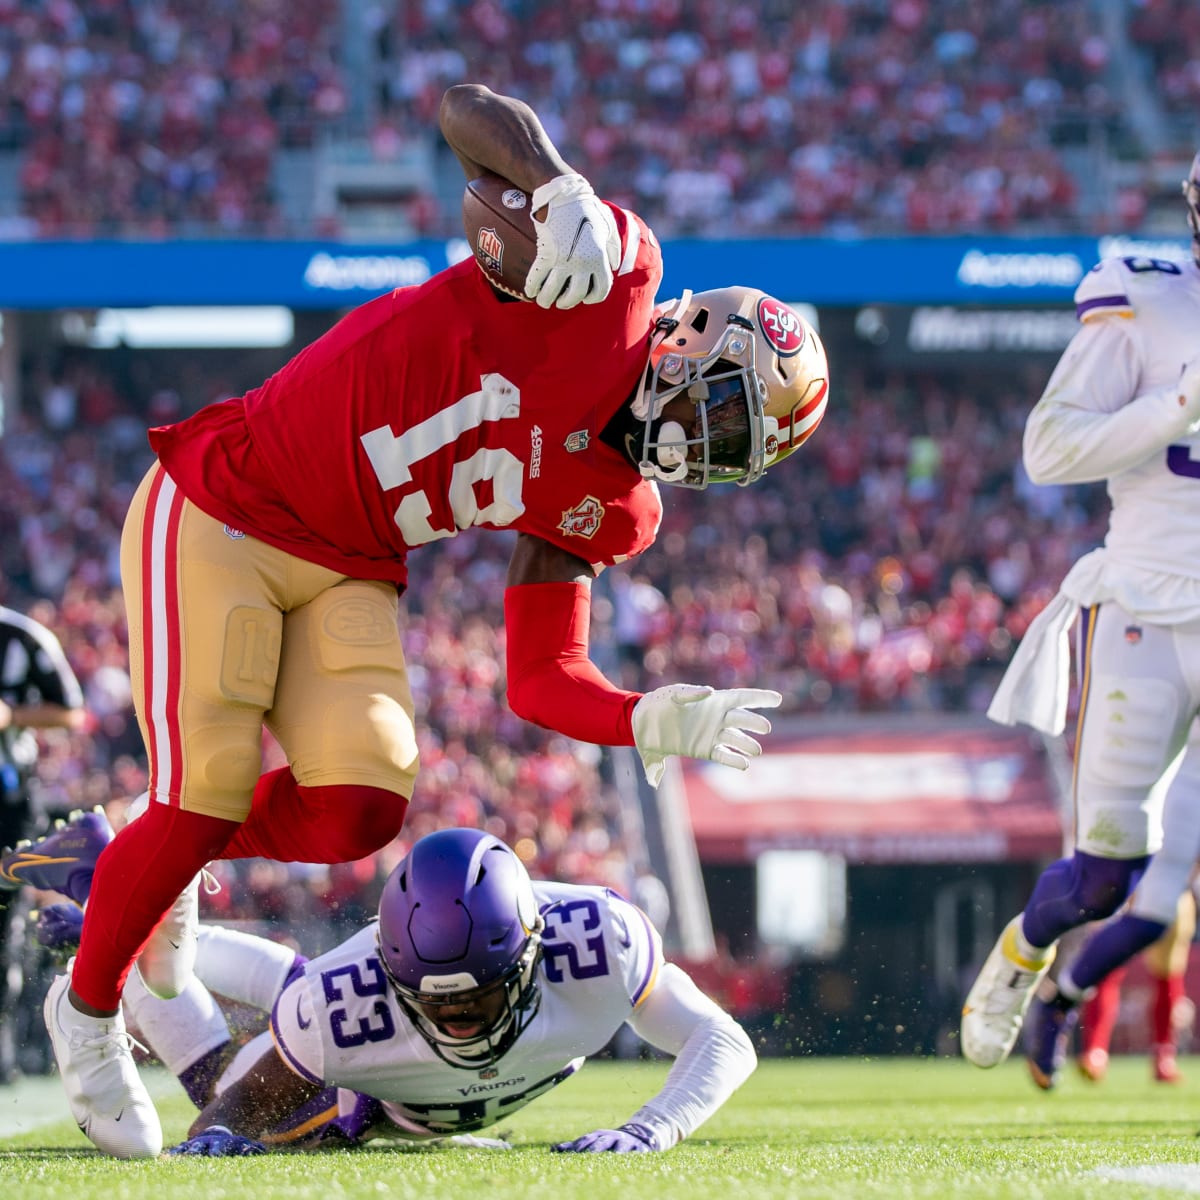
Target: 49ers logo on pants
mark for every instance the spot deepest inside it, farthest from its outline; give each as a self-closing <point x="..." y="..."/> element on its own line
<point x="584" y="519"/>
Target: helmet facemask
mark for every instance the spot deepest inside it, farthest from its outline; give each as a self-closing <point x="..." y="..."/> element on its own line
<point x="515" y="996"/>
<point x="745" y="363"/>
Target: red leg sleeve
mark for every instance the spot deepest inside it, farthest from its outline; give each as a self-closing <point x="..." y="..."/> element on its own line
<point x="1100" y="1012"/>
<point x="551" y="680"/>
<point x="1168" y="993"/>
<point x="334" y="823"/>
<point x="138" y="877"/>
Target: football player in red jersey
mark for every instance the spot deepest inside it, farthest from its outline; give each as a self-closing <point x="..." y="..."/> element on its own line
<point x="264" y="552"/>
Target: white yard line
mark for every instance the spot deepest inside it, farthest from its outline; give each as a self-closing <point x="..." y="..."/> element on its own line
<point x="1180" y="1177"/>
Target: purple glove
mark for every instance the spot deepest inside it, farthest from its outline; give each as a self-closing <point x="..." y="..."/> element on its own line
<point x="217" y="1142"/>
<point x="628" y="1139"/>
<point x="59" y="927"/>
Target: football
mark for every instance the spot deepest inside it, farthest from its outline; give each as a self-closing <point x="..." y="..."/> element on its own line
<point x="498" y="220"/>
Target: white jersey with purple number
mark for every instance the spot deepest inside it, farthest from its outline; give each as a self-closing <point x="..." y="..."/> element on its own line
<point x="1140" y="321"/>
<point x="339" y="1023"/>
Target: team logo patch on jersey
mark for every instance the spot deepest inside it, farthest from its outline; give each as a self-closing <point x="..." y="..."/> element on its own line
<point x="584" y="519"/>
<point x="1133" y="634"/>
<point x="230" y="532"/>
<point x="489" y="249"/>
<point x="577" y="441"/>
<point x="490" y="1073"/>
<point x="781" y="327"/>
<point x="514" y="198"/>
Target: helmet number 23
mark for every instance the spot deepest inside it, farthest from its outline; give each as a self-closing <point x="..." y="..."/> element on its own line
<point x="396" y="458"/>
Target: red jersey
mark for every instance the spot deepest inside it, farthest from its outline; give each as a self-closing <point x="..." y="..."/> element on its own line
<point x="433" y="409"/>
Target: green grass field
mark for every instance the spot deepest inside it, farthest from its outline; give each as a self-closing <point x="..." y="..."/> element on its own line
<point x="820" y="1128"/>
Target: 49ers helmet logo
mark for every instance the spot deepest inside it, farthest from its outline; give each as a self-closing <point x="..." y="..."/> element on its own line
<point x="584" y="519"/>
<point x="781" y="327"/>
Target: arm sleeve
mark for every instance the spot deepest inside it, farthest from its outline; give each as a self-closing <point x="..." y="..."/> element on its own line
<point x="1090" y="424"/>
<point x="551" y="680"/>
<point x="713" y="1055"/>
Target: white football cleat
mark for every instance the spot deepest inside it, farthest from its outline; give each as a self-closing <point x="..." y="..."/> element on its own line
<point x="995" y="1006"/>
<point x="106" y="1096"/>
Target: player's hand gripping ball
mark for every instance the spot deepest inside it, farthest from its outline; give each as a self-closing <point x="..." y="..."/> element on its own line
<point x="498" y="220"/>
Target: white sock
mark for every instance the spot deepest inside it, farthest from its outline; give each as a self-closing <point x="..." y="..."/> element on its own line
<point x="180" y="1030"/>
<point x="243" y="967"/>
<point x="1067" y="986"/>
<point x="1026" y="948"/>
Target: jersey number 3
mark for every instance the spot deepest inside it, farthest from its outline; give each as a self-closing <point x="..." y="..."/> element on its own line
<point x="1181" y="462"/>
<point x="395" y="459"/>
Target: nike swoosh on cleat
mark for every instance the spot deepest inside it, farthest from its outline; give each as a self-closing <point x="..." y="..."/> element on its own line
<point x="38" y="861"/>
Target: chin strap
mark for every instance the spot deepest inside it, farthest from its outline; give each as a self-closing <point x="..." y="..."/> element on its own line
<point x="671" y="451"/>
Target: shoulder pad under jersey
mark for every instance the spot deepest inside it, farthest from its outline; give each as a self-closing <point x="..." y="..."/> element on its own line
<point x="1111" y="287"/>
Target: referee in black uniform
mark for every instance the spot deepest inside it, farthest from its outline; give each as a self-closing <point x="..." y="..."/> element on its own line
<point x="38" y="690"/>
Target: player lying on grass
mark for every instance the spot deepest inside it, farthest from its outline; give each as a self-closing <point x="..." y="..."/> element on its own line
<point x="475" y="992"/>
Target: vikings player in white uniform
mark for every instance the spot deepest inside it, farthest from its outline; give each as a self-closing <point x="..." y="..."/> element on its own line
<point x="475" y="992"/>
<point x="1123" y="405"/>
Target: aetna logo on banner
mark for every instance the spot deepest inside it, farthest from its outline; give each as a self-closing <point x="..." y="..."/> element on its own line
<point x="980" y="269"/>
<point x="959" y="331"/>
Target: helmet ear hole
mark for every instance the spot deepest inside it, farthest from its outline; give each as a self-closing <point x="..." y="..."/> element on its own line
<point x="700" y="320"/>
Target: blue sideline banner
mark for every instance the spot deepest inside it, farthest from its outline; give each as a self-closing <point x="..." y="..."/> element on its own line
<point x="314" y="275"/>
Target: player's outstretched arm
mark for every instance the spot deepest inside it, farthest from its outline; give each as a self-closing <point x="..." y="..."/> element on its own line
<point x="713" y="1058"/>
<point x="553" y="683"/>
<point x="578" y="246"/>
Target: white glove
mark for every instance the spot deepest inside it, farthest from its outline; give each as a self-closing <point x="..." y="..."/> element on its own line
<point x="578" y="246"/>
<point x="698" y="722"/>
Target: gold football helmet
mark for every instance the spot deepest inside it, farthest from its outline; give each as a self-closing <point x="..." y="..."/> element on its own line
<point x="756" y="374"/>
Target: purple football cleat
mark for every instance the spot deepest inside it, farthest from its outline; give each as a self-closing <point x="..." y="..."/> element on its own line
<point x="62" y="861"/>
<point x="1049" y="1024"/>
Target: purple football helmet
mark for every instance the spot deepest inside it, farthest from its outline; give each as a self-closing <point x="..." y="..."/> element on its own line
<point x="460" y="940"/>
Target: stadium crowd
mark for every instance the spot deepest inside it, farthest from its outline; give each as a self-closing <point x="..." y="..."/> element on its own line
<point x="926" y="116"/>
